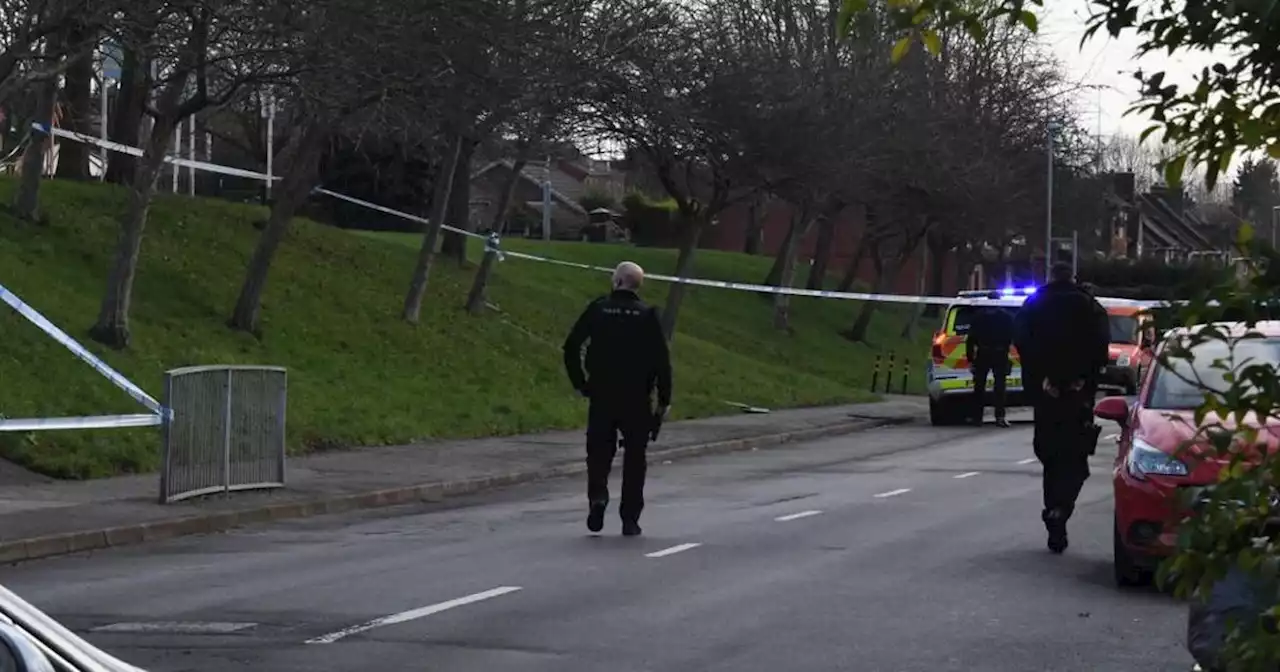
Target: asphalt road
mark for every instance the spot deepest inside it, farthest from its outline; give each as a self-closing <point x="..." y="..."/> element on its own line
<point x="929" y="556"/>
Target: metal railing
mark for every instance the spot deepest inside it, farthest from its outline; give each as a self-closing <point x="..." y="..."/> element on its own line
<point x="225" y="430"/>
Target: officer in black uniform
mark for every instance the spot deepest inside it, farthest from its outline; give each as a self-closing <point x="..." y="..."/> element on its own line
<point x="627" y="356"/>
<point x="1062" y="334"/>
<point x="987" y="349"/>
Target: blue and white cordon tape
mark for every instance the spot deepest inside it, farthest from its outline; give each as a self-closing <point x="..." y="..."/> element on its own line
<point x="116" y="378"/>
<point x="492" y="241"/>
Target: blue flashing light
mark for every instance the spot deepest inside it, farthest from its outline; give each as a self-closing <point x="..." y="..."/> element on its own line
<point x="1008" y="291"/>
<point x="1029" y="290"/>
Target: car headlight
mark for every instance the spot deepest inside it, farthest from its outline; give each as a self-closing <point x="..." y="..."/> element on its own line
<point x="1145" y="459"/>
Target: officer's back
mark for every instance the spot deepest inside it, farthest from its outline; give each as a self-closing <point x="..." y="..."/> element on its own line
<point x="991" y="330"/>
<point x="626" y="350"/>
<point x="1064" y="330"/>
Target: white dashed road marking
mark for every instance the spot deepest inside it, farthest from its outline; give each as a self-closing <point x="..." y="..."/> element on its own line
<point x="967" y="474"/>
<point x="1029" y="460"/>
<point x="1112" y="437"/>
<point x="893" y="493"/>
<point x="796" y="516"/>
<point x="671" y="551"/>
<point x="412" y="614"/>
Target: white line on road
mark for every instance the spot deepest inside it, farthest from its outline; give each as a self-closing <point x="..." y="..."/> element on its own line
<point x="1111" y="437"/>
<point x="1029" y="460"/>
<point x="412" y="614"/>
<point x="967" y="474"/>
<point x="671" y="551"/>
<point x="893" y="493"/>
<point x="796" y="516"/>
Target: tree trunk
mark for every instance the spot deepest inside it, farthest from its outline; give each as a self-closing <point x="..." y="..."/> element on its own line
<point x="782" y="301"/>
<point x="756" y="212"/>
<point x="885" y="275"/>
<point x="684" y="266"/>
<point x="508" y="193"/>
<point x="477" y="297"/>
<point x="26" y="203"/>
<point x="851" y="269"/>
<point x="302" y="160"/>
<point x="822" y="252"/>
<point x="455" y="244"/>
<point x="431" y="232"/>
<point x="78" y="115"/>
<point x="126" y="118"/>
<point x="112" y="328"/>
<point x="788" y="250"/>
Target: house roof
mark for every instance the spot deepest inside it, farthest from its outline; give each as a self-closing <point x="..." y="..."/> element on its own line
<point x="564" y="188"/>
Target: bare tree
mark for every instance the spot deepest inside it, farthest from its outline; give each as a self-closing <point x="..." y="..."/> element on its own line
<point x="335" y="90"/>
<point x="675" y="102"/>
<point x="208" y="53"/>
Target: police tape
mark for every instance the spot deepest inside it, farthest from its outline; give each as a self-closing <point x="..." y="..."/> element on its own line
<point x="82" y="422"/>
<point x="115" y="377"/>
<point x="1009" y="301"/>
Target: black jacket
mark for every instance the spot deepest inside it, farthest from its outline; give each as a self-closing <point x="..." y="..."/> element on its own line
<point x="1062" y="334"/>
<point x="990" y="333"/>
<point x="627" y="354"/>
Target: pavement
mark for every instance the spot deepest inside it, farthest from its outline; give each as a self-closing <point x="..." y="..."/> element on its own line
<point x="40" y="517"/>
<point x="898" y="549"/>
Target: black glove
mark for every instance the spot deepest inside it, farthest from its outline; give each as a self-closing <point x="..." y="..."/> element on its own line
<point x="656" y="426"/>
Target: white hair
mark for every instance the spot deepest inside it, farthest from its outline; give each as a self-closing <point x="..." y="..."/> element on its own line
<point x="628" y="275"/>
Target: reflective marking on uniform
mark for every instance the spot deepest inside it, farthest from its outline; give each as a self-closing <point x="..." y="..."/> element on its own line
<point x="893" y="493"/>
<point x="671" y="551"/>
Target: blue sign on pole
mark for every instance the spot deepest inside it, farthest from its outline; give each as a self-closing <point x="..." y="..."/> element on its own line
<point x="112" y="57"/>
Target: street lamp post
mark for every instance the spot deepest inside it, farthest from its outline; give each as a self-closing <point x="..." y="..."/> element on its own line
<point x="1048" y="210"/>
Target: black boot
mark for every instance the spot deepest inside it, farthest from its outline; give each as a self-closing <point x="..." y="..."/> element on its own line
<point x="595" y="519"/>
<point x="630" y="528"/>
<point x="1001" y="422"/>
<point x="1055" y="524"/>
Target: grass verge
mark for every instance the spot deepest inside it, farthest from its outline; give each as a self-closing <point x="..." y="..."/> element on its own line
<point x="358" y="375"/>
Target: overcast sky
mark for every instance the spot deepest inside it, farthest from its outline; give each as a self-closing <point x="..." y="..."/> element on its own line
<point x="1109" y="63"/>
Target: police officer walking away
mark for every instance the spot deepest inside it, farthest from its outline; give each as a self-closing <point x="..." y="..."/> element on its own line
<point x="626" y="358"/>
<point x="987" y="349"/>
<point x="1062" y="336"/>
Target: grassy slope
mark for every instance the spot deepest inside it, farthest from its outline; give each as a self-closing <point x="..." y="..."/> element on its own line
<point x="358" y="375"/>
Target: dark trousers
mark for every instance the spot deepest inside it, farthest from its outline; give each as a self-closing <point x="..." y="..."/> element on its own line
<point x="605" y="421"/>
<point x="1064" y="433"/>
<point x="996" y="364"/>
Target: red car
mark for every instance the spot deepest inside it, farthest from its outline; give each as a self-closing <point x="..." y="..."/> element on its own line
<point x="1151" y="468"/>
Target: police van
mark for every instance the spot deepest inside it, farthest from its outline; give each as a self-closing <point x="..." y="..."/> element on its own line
<point x="948" y="376"/>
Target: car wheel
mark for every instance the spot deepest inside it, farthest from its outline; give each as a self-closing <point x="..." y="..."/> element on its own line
<point x="1129" y="574"/>
<point x="944" y="413"/>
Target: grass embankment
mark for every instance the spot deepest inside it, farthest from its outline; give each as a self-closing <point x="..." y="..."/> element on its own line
<point x="358" y="375"/>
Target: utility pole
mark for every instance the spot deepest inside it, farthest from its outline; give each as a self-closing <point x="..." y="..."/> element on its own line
<point x="1048" y="211"/>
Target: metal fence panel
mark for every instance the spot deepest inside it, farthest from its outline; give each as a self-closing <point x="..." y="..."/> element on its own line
<point x="226" y="430"/>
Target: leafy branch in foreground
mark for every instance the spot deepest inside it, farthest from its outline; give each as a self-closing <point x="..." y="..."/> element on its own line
<point x="1230" y="527"/>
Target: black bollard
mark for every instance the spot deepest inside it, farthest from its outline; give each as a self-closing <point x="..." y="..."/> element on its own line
<point x="875" y="374"/>
<point x="906" y="370"/>
<point x="888" y="375"/>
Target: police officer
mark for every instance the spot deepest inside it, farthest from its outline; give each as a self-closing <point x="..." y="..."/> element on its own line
<point x="1062" y="336"/>
<point x="626" y="358"/>
<point x="987" y="349"/>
